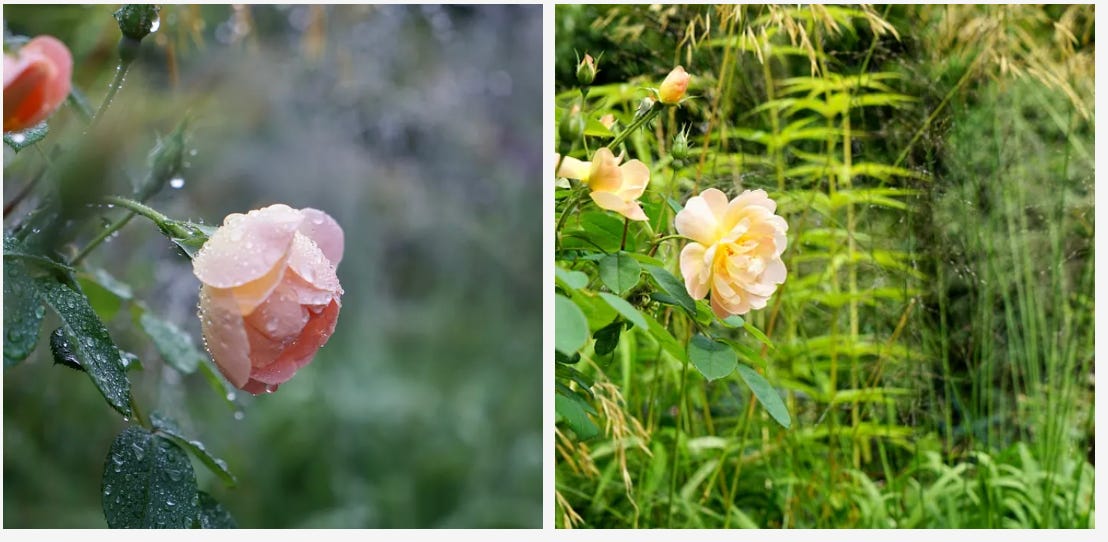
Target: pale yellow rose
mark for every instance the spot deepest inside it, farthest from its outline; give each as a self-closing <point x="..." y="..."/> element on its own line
<point x="736" y="249"/>
<point x="614" y="187"/>
<point x="674" y="86"/>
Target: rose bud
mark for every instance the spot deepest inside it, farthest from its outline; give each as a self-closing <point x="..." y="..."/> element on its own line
<point x="586" y="71"/>
<point x="36" y="82"/>
<point x="674" y="86"/>
<point x="269" y="297"/>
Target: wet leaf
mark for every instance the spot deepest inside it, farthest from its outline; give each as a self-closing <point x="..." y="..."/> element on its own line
<point x="91" y="345"/>
<point x="175" y="346"/>
<point x="213" y="515"/>
<point x="23" y="312"/>
<point x="168" y="428"/>
<point x="148" y="483"/>
<point x="61" y="346"/>
<point x="21" y="140"/>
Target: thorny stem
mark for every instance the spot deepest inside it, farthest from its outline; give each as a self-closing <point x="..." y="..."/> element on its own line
<point x="636" y="124"/>
<point x="117" y="82"/>
<point x="133" y="207"/>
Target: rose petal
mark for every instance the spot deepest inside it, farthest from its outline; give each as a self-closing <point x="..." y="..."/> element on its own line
<point x="247" y="247"/>
<point x="303" y="349"/>
<point x="280" y="317"/>
<point x="692" y="264"/>
<point x="612" y="202"/>
<point x="572" y="168"/>
<point x="308" y="262"/>
<point x="224" y="334"/>
<point x="696" y="220"/>
<point x="604" y="172"/>
<point x="327" y="234"/>
<point x="635" y="178"/>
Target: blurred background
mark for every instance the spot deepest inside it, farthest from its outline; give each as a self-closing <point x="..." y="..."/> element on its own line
<point x="418" y="129"/>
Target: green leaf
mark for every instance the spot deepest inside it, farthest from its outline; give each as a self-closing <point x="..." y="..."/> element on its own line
<point x="625" y="309"/>
<point x="619" y="272"/>
<point x="197" y="235"/>
<point x="93" y="348"/>
<point x="674" y="204"/>
<point x="148" y="483"/>
<point x="165" y="426"/>
<point x="766" y="395"/>
<point x="733" y="321"/>
<point x="713" y="359"/>
<point x="21" y="140"/>
<point x="674" y="287"/>
<point x="572" y="279"/>
<point x="213" y="515"/>
<point x="175" y="346"/>
<point x="105" y="293"/>
<point x="757" y="333"/>
<point x="665" y="339"/>
<point x="571" y="329"/>
<point x="574" y="415"/>
<point x="607" y="338"/>
<point x="23" y="312"/>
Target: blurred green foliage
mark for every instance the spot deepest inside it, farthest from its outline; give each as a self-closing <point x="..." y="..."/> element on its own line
<point x="418" y="129"/>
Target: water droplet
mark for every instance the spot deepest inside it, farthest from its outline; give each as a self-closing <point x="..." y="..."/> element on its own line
<point x="18" y="138"/>
<point x="155" y="25"/>
<point x="176" y="182"/>
<point x="231" y="396"/>
<point x="192" y="152"/>
<point x="170" y="502"/>
<point x="239" y="415"/>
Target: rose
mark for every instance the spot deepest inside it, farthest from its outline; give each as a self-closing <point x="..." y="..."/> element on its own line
<point x="614" y="187"/>
<point x="736" y="249"/>
<point x="269" y="296"/>
<point x="36" y="82"/>
<point x="674" y="86"/>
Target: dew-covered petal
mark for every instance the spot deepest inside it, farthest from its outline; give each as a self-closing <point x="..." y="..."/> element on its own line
<point x="325" y="231"/>
<point x="303" y="349"/>
<point x="281" y="317"/>
<point x="247" y="247"/>
<point x="309" y="263"/>
<point x="224" y="334"/>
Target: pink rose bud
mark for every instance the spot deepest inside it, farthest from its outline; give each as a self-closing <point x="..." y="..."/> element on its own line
<point x="269" y="297"/>
<point x="674" y="86"/>
<point x="36" y="82"/>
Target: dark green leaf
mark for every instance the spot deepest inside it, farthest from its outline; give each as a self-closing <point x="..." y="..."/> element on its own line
<point x="61" y="346"/>
<point x="673" y="286"/>
<point x="148" y="483"/>
<point x="766" y="395"/>
<point x="21" y="140"/>
<point x="213" y="515"/>
<point x="175" y="346"/>
<point x="562" y="358"/>
<point x="619" y="272"/>
<point x="607" y="338"/>
<point x="572" y="279"/>
<point x="571" y="329"/>
<point x="712" y="358"/>
<point x="574" y="415"/>
<point x="166" y="426"/>
<point x="566" y="372"/>
<point x="23" y="312"/>
<point x="625" y="309"/>
<point x="93" y="346"/>
<point x="131" y="362"/>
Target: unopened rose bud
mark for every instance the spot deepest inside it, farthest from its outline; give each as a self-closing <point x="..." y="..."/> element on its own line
<point x="586" y="70"/>
<point x="136" y="21"/>
<point x="674" y="86"/>
<point x="680" y="149"/>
